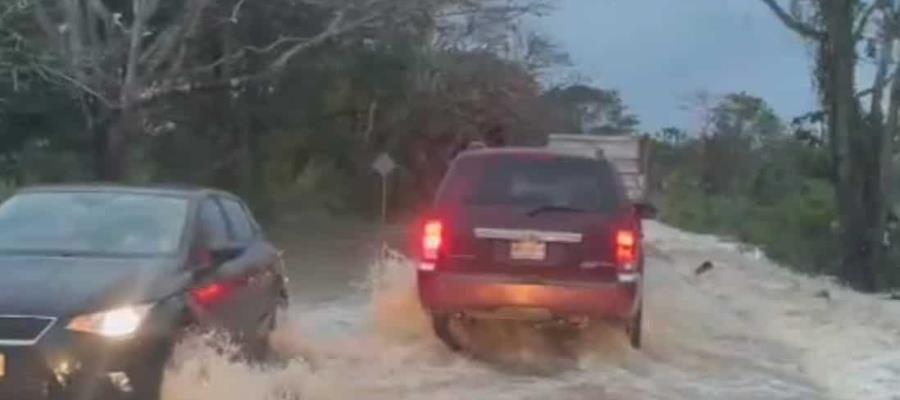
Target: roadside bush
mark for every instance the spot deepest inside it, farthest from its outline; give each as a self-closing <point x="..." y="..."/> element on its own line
<point x="796" y="230"/>
<point x="748" y="177"/>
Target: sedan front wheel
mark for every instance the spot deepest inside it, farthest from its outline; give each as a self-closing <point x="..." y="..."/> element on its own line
<point x="147" y="384"/>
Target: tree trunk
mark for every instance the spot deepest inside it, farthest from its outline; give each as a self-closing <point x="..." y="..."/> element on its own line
<point x="857" y="197"/>
<point x="108" y="131"/>
<point x="860" y="147"/>
<point x="96" y="122"/>
<point x="115" y="164"/>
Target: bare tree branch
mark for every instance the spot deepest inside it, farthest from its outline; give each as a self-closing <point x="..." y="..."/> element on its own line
<point x="335" y="27"/>
<point x="77" y="84"/>
<point x="142" y="12"/>
<point x="164" y="89"/>
<point x="50" y="29"/>
<point x="100" y="9"/>
<point x="236" y="11"/>
<point x="161" y="50"/>
<point x="240" y="53"/>
<point x="885" y="59"/>
<point x="373" y="11"/>
<point x="370" y="121"/>
<point x="871" y="90"/>
<point x="863" y="21"/>
<point x="792" y="23"/>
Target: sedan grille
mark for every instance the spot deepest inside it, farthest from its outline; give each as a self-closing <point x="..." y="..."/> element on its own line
<point x="23" y="330"/>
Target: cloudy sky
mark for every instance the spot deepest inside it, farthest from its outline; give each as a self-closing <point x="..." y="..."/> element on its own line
<point x="660" y="52"/>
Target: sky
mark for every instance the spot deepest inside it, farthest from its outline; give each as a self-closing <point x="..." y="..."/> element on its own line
<point x="659" y="53"/>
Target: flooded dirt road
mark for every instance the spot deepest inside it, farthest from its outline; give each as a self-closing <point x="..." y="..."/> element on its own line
<point x="745" y="330"/>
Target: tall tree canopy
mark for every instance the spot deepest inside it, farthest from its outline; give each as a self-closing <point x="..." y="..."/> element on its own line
<point x="258" y="95"/>
<point x="585" y="109"/>
<point x="860" y="133"/>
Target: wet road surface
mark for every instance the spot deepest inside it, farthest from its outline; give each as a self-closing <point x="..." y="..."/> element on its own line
<point x="356" y="331"/>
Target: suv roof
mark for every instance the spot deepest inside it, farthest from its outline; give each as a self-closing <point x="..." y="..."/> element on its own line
<point x="523" y="151"/>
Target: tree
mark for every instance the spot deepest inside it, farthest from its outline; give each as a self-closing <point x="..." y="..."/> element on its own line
<point x="464" y="96"/>
<point x="248" y="95"/>
<point x="402" y="88"/>
<point x="671" y="135"/>
<point x="739" y="125"/>
<point x="34" y="114"/>
<point x="585" y="109"/>
<point x="124" y="55"/>
<point x="860" y="138"/>
<point x="741" y="174"/>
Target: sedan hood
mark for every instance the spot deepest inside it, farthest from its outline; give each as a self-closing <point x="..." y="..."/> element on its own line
<point x="64" y="286"/>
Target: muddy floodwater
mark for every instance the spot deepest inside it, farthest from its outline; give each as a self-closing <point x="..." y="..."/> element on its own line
<point x="745" y="330"/>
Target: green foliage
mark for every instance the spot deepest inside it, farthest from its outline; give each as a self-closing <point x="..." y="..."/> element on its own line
<point x="585" y="109"/>
<point x="796" y="230"/>
<point x="751" y="181"/>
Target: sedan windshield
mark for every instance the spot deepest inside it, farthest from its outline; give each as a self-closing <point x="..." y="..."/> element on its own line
<point x="92" y="223"/>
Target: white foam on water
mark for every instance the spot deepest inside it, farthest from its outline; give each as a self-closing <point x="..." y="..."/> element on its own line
<point x="847" y="343"/>
<point x="745" y="330"/>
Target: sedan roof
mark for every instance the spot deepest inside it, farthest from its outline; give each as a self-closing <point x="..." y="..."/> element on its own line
<point x="186" y="191"/>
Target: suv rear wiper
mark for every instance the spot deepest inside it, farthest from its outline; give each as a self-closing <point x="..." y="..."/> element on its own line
<point x="542" y="209"/>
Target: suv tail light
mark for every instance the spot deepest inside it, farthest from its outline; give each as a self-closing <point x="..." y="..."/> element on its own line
<point x="432" y="244"/>
<point x="626" y="249"/>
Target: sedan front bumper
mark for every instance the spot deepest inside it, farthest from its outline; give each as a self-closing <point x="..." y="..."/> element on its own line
<point x="68" y="365"/>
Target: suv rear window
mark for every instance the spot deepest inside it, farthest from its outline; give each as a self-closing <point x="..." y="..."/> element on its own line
<point x="532" y="181"/>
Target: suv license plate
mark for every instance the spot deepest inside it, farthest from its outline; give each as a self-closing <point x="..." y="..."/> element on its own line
<point x="2" y="366"/>
<point x="528" y="250"/>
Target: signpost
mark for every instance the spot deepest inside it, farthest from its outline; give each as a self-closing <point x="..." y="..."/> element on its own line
<point x="384" y="165"/>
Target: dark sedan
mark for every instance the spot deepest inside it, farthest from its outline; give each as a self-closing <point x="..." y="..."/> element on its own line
<point x="97" y="283"/>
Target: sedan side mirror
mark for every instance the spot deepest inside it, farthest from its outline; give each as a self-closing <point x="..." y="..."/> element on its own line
<point x="645" y="210"/>
<point x="225" y="253"/>
<point x="205" y="258"/>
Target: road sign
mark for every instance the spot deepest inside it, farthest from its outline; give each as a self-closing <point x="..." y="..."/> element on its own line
<point x="384" y="165"/>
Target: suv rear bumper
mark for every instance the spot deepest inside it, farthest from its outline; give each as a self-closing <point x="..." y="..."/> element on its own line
<point x="502" y="296"/>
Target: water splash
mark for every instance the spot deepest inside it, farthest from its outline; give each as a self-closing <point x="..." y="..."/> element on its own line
<point x="376" y="343"/>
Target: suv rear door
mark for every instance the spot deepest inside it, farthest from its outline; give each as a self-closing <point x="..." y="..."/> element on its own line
<point x="532" y="214"/>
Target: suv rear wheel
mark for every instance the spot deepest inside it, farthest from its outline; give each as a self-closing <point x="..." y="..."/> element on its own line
<point x="441" y="325"/>
<point x="635" y="328"/>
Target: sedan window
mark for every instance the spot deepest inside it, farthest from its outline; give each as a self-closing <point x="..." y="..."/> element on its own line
<point x="212" y="224"/>
<point x="240" y="222"/>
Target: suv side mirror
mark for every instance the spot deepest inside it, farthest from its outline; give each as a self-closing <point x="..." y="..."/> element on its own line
<point x="645" y="210"/>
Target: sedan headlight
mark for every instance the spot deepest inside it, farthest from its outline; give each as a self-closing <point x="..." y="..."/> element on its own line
<point x="118" y="323"/>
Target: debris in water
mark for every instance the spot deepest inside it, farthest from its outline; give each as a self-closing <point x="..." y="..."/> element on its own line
<point x="824" y="294"/>
<point x="703" y="268"/>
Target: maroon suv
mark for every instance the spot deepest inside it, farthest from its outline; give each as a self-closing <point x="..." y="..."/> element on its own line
<point x="531" y="234"/>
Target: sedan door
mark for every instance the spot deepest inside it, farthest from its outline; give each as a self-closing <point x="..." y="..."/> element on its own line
<point x="224" y="298"/>
<point x="261" y="259"/>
